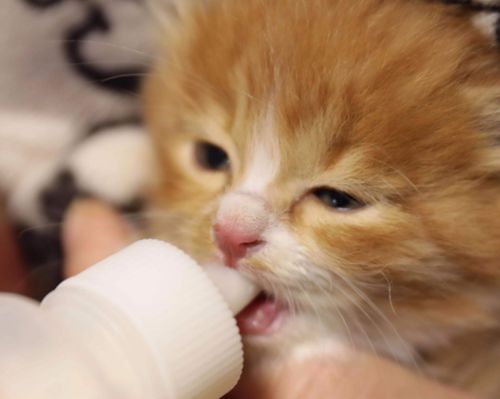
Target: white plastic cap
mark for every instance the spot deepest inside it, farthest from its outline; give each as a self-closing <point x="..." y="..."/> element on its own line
<point x="164" y="304"/>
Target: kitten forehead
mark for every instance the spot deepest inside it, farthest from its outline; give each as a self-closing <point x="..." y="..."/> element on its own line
<point x="262" y="156"/>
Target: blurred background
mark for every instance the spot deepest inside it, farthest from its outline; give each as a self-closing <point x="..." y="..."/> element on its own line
<point x="70" y="125"/>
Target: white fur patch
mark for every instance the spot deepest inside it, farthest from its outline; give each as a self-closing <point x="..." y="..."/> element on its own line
<point x="263" y="158"/>
<point x="321" y="347"/>
<point x="115" y="166"/>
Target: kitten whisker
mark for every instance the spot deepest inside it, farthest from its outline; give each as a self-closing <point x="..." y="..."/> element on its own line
<point x="196" y="82"/>
<point x="325" y="293"/>
<point x="358" y="323"/>
<point x="389" y="291"/>
<point x="39" y="228"/>
<point x="123" y="75"/>
<point x="367" y="337"/>
<point x="346" y="325"/>
<point x="112" y="63"/>
<point x="405" y="346"/>
<point x="364" y="298"/>
<point x="106" y="44"/>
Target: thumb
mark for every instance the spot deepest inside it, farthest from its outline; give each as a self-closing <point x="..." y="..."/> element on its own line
<point x="91" y="232"/>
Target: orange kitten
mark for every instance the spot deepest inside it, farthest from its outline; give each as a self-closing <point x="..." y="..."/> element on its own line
<point x="343" y="155"/>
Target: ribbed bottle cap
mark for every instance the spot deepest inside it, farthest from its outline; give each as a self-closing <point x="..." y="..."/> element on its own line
<point x="177" y="310"/>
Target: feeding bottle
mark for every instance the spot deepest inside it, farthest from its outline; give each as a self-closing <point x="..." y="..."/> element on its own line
<point x="145" y="323"/>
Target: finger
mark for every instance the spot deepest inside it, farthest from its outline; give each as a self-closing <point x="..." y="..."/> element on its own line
<point x="91" y="232"/>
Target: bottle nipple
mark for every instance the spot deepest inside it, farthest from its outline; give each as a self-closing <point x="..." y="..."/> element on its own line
<point x="236" y="290"/>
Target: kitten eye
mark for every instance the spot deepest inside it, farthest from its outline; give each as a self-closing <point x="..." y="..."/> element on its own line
<point x="337" y="199"/>
<point x="210" y="156"/>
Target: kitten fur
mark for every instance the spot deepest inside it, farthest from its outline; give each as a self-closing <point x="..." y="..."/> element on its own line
<point x="396" y="102"/>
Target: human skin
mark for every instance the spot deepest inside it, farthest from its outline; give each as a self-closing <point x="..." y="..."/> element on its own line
<point x="352" y="377"/>
<point x="92" y="231"/>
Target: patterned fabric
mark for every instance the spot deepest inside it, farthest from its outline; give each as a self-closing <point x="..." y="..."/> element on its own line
<point x="69" y="109"/>
<point x="69" y="69"/>
<point x="69" y="79"/>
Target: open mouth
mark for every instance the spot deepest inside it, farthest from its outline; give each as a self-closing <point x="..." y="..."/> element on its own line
<point x="262" y="316"/>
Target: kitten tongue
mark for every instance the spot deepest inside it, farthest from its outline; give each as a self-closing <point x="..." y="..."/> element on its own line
<point x="260" y="317"/>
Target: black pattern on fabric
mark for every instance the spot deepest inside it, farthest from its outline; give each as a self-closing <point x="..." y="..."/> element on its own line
<point x="43" y="3"/>
<point x="120" y="80"/>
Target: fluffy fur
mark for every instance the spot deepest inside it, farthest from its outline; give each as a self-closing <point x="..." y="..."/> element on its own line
<point x="392" y="101"/>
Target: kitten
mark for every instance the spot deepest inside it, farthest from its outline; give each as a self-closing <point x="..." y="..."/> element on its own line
<point x="346" y="156"/>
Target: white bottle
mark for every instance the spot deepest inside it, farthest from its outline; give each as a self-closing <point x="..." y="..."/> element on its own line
<point x="145" y="323"/>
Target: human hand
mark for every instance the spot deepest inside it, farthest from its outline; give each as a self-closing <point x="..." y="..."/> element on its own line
<point x="349" y="376"/>
<point x="92" y="231"/>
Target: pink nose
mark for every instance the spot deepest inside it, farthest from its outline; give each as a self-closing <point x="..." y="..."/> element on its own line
<point x="240" y="223"/>
<point x="235" y="243"/>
